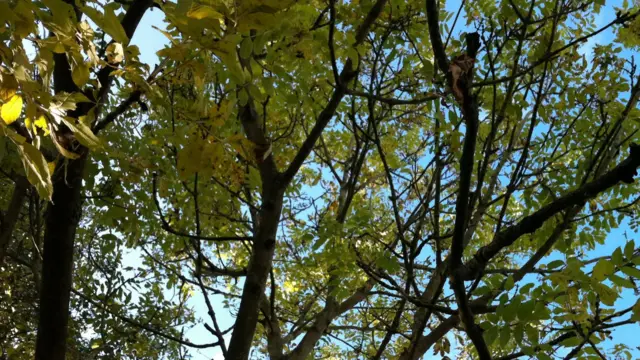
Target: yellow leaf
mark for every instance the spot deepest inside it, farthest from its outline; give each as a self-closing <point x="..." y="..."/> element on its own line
<point x="51" y="166"/>
<point x="202" y="11"/>
<point x="83" y="133"/>
<point x="37" y="170"/>
<point x="290" y="286"/>
<point x="115" y="53"/>
<point x="64" y="152"/>
<point x="113" y="27"/>
<point x="20" y="72"/>
<point x="41" y="122"/>
<point x="58" y="48"/>
<point x="94" y="59"/>
<point x="11" y="109"/>
<point x="109" y="22"/>
<point x="165" y="33"/>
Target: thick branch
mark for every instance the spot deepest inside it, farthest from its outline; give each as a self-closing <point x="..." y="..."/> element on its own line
<point x="470" y="113"/>
<point x="324" y="318"/>
<point x="433" y="15"/>
<point x="124" y="105"/>
<point x="624" y="172"/>
<point x="394" y="101"/>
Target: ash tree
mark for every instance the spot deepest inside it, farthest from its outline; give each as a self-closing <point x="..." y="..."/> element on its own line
<point x="321" y="179"/>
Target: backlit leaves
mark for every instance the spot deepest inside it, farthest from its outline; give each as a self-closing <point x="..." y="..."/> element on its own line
<point x="11" y="109"/>
<point x="268" y="63"/>
<point x="115" y="53"/>
<point x="80" y="74"/>
<point x="108" y="22"/>
<point x="37" y="169"/>
<point x="603" y="269"/>
<point x="200" y="12"/>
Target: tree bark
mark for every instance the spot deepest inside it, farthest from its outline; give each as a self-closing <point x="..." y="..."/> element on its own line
<point x="64" y="212"/>
<point x="260" y="265"/>
<point x="12" y="214"/>
<point x="62" y="218"/>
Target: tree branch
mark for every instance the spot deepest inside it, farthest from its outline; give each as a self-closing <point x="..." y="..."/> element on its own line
<point x="168" y="228"/>
<point x="126" y="103"/>
<point x="141" y="325"/>
<point x="348" y="73"/>
<point x="624" y="172"/>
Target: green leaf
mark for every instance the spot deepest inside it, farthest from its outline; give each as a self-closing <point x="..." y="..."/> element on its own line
<point x="491" y="334"/>
<point x="526" y="288"/>
<point x="636" y="311"/>
<point x="571" y="342"/>
<point x="321" y="240"/>
<point x="505" y="336"/>
<point x="525" y="310"/>
<point x="620" y="281"/>
<point x="453" y="117"/>
<point x="543" y="356"/>
<point x="83" y="133"/>
<point x="3" y="147"/>
<point x="255" y="93"/>
<point x="80" y="74"/>
<point x="509" y="283"/>
<point x="352" y="54"/>
<point x="113" y="27"/>
<point x="603" y="269"/>
<point x="617" y="258"/>
<point x="246" y="48"/>
<point x="631" y="271"/>
<point x="509" y="313"/>
<point x="307" y="237"/>
<point x="607" y="295"/>
<point x="243" y="97"/>
<point x="388" y="262"/>
<point x="555" y="264"/>
<point x="518" y="333"/>
<point x="628" y="249"/>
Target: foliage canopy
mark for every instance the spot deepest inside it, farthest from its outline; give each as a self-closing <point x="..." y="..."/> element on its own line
<point x="318" y="179"/>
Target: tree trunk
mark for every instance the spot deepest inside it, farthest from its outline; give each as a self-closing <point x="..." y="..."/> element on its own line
<point x="63" y="213"/>
<point x="12" y="214"/>
<point x="62" y="217"/>
<point x="259" y="267"/>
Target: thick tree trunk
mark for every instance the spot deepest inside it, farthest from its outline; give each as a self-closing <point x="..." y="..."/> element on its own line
<point x="62" y="218"/>
<point x="259" y="267"/>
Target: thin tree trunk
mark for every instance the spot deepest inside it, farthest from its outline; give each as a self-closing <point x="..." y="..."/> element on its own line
<point x="11" y="215"/>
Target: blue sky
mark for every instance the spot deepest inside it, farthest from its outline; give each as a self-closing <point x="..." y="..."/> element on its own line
<point x="150" y="41"/>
